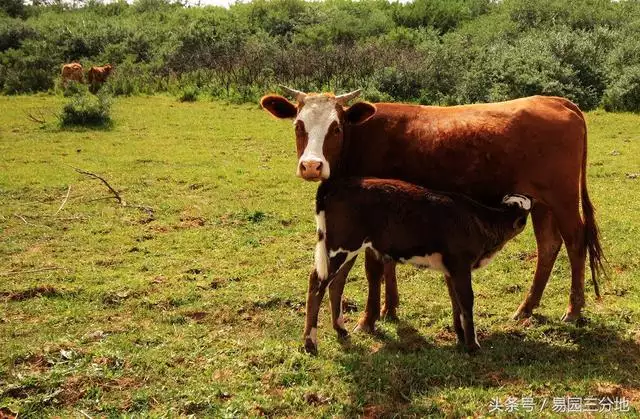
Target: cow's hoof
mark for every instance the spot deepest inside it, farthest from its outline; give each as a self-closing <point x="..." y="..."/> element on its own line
<point x="310" y="347"/>
<point x="389" y="316"/>
<point x="571" y="317"/>
<point x="522" y="313"/>
<point x="364" y="327"/>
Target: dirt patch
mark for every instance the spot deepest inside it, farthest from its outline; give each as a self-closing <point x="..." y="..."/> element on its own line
<point x="36" y="362"/>
<point x="197" y="316"/>
<point x="41" y="290"/>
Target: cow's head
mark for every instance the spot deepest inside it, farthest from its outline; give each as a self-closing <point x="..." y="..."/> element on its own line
<point x="319" y="120"/>
<point x="107" y="69"/>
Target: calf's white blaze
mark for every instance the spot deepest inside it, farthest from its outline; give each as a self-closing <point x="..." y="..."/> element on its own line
<point x="317" y="114"/>
<point x="321" y="260"/>
<point x="519" y="200"/>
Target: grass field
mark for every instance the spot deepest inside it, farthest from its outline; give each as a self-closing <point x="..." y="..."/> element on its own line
<point x="198" y="309"/>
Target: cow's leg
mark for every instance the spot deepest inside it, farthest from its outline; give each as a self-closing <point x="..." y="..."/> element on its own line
<point x="336" y="289"/>
<point x="461" y="280"/>
<point x="314" y="298"/>
<point x="457" y="321"/>
<point x="391" y="298"/>
<point x="549" y="241"/>
<point x="374" y="268"/>
<point x="573" y="235"/>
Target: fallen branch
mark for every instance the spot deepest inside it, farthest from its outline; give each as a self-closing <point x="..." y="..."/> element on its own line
<point x="64" y="202"/>
<point x="39" y="119"/>
<point x="115" y="193"/>
<point x="51" y="268"/>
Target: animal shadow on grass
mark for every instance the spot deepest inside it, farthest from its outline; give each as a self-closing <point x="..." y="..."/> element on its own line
<point x="387" y="378"/>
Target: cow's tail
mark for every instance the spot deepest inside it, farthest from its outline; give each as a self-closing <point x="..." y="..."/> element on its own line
<point x="321" y="256"/>
<point x="591" y="231"/>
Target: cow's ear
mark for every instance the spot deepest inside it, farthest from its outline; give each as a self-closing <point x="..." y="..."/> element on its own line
<point x="278" y="106"/>
<point x="359" y="112"/>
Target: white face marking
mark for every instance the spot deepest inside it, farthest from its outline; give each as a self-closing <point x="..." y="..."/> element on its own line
<point x="317" y="114"/>
<point x="519" y="200"/>
<point x="321" y="260"/>
<point x="432" y="261"/>
<point x="313" y="335"/>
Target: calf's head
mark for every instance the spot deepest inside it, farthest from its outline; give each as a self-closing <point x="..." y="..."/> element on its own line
<point x="519" y="207"/>
<point x="319" y="120"/>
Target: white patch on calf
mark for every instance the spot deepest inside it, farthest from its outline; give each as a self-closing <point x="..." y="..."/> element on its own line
<point x="318" y="113"/>
<point x="432" y="261"/>
<point x="321" y="259"/>
<point x="485" y="261"/>
<point x="350" y="253"/>
<point x="519" y="200"/>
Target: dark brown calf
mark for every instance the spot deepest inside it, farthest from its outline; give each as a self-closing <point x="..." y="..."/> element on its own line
<point x="403" y="222"/>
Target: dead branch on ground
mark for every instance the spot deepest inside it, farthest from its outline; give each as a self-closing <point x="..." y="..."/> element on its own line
<point x="64" y="201"/>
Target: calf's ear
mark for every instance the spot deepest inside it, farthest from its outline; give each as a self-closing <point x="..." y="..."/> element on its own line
<point x="278" y="106"/>
<point x="359" y="112"/>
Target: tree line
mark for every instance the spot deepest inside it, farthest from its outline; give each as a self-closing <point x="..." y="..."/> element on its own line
<point x="428" y="51"/>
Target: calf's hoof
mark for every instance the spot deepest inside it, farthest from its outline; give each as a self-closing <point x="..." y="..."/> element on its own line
<point x="473" y="348"/>
<point x="343" y="334"/>
<point x="310" y="347"/>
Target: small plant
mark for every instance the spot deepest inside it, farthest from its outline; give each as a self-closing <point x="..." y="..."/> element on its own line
<point x="86" y="110"/>
<point x="188" y="94"/>
<point x="74" y="88"/>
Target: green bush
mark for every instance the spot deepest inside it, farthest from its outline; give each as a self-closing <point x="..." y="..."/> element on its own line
<point x="188" y="94"/>
<point x="75" y="88"/>
<point x="86" y="110"/>
<point x="623" y="95"/>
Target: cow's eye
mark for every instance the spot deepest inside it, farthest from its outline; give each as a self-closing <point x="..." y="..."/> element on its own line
<point x="299" y="129"/>
<point x="337" y="129"/>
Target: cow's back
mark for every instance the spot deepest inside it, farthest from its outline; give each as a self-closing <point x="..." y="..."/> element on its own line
<point x="484" y="150"/>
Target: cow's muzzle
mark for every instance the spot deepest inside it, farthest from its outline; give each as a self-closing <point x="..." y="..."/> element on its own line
<point x="311" y="170"/>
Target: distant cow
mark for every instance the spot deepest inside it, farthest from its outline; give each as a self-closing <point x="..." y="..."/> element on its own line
<point x="403" y="222"/>
<point x="98" y="76"/>
<point x="535" y="145"/>
<point x="72" y="72"/>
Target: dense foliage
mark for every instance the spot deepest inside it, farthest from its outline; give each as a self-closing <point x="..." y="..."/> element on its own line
<point x="428" y="51"/>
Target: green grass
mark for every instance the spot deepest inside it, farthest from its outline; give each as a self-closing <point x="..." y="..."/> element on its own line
<point x="199" y="309"/>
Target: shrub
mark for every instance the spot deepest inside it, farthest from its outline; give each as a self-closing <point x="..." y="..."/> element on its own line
<point x="86" y="110"/>
<point x="188" y="94"/>
<point x="74" y="88"/>
<point x="624" y="93"/>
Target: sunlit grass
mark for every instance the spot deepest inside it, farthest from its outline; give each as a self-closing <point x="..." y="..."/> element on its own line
<point x="200" y="309"/>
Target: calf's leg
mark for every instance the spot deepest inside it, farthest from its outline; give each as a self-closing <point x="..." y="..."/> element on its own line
<point x="391" y="298"/>
<point x="336" y="288"/>
<point x="315" y="293"/>
<point x="457" y="322"/>
<point x="464" y="296"/>
<point x="374" y="268"/>
<point x="549" y="241"/>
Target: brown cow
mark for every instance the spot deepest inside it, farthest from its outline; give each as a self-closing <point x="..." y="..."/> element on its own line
<point x="72" y="72"/>
<point x="98" y="76"/>
<point x="536" y="146"/>
<point x="404" y="222"/>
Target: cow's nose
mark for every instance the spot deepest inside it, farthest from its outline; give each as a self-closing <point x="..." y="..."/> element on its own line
<point x="311" y="169"/>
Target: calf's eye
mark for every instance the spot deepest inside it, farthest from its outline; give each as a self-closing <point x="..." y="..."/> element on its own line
<point x="337" y="129"/>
